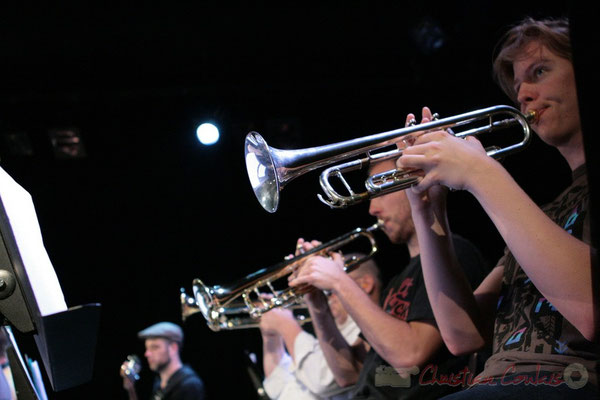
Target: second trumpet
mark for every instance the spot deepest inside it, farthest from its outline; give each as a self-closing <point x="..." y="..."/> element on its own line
<point x="240" y="305"/>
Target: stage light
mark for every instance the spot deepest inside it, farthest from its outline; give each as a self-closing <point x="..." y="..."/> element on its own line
<point x="207" y="134"/>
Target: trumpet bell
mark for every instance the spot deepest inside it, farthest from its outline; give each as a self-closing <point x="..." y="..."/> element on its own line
<point x="189" y="305"/>
<point x="262" y="172"/>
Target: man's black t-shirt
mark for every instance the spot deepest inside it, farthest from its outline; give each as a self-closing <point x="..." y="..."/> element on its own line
<point x="406" y="298"/>
<point x="184" y="384"/>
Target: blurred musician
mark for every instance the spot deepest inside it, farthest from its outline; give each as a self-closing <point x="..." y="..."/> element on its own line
<point x="174" y="380"/>
<point x="302" y="372"/>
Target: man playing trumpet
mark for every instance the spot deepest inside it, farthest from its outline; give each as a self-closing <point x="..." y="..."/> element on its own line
<point x="399" y="330"/>
<point x="302" y="372"/>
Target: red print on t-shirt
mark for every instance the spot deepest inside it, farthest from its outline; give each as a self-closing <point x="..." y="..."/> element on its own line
<point x="403" y="290"/>
<point x="394" y="304"/>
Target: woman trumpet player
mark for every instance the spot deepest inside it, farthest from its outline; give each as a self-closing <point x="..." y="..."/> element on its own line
<point x="538" y="306"/>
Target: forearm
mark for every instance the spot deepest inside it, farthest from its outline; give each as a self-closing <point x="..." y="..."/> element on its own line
<point x="289" y="330"/>
<point x="391" y="338"/>
<point x="273" y="352"/>
<point x="458" y="315"/>
<point x="338" y="353"/>
<point x="558" y="264"/>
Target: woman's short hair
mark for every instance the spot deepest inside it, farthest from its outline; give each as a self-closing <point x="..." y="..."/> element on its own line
<point x="552" y="33"/>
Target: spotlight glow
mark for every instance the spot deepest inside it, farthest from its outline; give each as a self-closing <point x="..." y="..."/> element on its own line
<point x="207" y="134"/>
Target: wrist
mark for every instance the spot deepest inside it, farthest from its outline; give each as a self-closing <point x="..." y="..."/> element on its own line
<point x="431" y="203"/>
<point x="272" y="344"/>
<point x="340" y="285"/>
<point x="289" y="330"/>
<point x="315" y="299"/>
<point x="483" y="175"/>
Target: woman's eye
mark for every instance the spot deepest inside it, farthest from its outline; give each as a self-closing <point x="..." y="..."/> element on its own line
<point x="539" y="71"/>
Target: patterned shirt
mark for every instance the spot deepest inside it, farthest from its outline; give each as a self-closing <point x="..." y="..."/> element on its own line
<point x="530" y="335"/>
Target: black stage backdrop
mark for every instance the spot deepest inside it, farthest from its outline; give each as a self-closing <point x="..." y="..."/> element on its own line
<point x="144" y="209"/>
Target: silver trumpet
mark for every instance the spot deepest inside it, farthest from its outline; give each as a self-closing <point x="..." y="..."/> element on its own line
<point x="235" y="315"/>
<point x="239" y="306"/>
<point x="270" y="169"/>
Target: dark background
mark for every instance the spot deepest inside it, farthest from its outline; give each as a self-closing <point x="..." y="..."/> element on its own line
<point x="144" y="209"/>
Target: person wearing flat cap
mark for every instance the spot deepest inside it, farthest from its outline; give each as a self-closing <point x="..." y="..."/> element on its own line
<point x="175" y="381"/>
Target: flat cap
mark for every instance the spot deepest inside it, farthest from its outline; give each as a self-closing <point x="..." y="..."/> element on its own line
<point x="165" y="330"/>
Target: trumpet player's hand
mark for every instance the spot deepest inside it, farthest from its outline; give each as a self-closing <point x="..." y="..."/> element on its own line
<point x="320" y="272"/>
<point x="435" y="196"/>
<point x="445" y="159"/>
<point x="273" y="321"/>
<point x="302" y="246"/>
<point x="278" y="327"/>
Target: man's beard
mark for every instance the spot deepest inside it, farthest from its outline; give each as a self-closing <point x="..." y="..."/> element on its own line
<point x="161" y="367"/>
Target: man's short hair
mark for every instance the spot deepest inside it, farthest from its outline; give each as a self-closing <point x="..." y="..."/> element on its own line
<point x="368" y="267"/>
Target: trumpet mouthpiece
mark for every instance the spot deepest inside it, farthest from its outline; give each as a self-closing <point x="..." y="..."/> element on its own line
<point x="532" y="116"/>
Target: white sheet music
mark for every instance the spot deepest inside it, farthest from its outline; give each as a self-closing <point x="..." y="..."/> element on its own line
<point x="26" y="230"/>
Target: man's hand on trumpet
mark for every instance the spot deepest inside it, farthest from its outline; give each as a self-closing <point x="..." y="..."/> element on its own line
<point x="279" y="327"/>
<point x="273" y="321"/>
<point x="320" y="272"/>
<point x="314" y="267"/>
<point x="302" y="246"/>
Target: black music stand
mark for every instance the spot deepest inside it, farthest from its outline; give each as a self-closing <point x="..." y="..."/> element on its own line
<point x="23" y="381"/>
<point x="31" y="299"/>
<point x="256" y="377"/>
